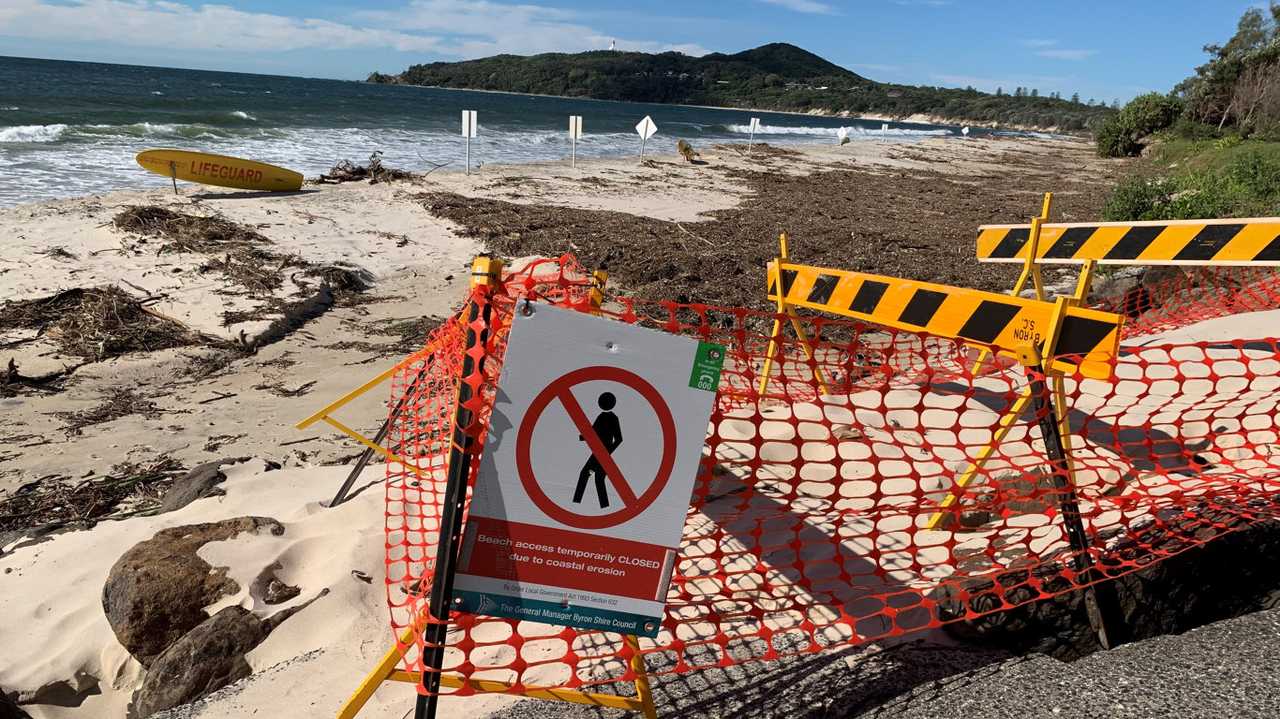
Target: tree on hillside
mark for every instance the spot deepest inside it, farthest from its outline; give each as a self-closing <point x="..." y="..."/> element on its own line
<point x="1230" y="87"/>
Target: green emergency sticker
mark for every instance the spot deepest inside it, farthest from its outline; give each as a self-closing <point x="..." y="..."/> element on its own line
<point x="707" y="364"/>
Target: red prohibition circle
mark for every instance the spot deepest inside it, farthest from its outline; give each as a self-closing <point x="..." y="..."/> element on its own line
<point x="560" y="389"/>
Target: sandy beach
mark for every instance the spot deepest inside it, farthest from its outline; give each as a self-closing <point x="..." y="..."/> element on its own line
<point x="337" y="283"/>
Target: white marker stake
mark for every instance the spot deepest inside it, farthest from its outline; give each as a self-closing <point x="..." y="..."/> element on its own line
<point x="841" y="134"/>
<point x="645" y="129"/>
<point x="964" y="131"/>
<point x="575" y="134"/>
<point x="468" y="131"/>
<point x="754" y="127"/>
<point x="884" y="131"/>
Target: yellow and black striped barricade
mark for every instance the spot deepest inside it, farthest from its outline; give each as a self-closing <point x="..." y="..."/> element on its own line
<point x="1088" y="338"/>
<point x="1247" y="242"/>
<point x="1070" y="339"/>
<point x="1215" y="243"/>
<point x="1253" y="242"/>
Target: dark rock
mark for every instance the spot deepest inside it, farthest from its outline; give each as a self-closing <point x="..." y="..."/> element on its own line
<point x="205" y="659"/>
<point x="156" y="592"/>
<point x="200" y="482"/>
<point x="9" y="709"/>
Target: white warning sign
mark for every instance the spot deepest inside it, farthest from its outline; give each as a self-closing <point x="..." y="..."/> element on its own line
<point x="594" y="443"/>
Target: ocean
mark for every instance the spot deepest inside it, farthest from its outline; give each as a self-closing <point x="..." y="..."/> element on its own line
<point x="73" y="128"/>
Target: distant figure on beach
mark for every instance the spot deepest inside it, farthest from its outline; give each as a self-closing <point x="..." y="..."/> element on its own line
<point x="609" y="430"/>
<point x="686" y="151"/>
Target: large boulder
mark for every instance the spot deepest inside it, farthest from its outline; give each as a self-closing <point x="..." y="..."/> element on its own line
<point x="156" y="592"/>
<point x="206" y="659"/>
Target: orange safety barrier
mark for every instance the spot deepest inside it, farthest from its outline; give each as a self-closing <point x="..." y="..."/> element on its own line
<point x="808" y="525"/>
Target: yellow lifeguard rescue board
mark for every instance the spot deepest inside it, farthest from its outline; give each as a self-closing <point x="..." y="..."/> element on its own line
<point x="219" y="170"/>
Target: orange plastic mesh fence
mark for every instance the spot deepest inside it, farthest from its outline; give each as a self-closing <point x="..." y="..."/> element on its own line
<point x="807" y="528"/>
<point x="1188" y="295"/>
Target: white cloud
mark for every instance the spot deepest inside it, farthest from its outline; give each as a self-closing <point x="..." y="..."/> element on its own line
<point x="480" y="28"/>
<point x="1038" y="42"/>
<point x="806" y="6"/>
<point x="1064" y="54"/>
<point x="449" y="28"/>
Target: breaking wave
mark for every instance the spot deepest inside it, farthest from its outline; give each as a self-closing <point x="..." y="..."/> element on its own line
<point x="831" y="131"/>
<point x="32" y="133"/>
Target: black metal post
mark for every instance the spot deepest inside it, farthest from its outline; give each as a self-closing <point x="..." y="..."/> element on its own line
<point x="437" y="631"/>
<point x="1101" y="602"/>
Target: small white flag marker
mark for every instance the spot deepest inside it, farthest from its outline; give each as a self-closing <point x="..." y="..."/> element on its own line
<point x="646" y="129"/>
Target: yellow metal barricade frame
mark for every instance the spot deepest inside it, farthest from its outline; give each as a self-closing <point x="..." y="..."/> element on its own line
<point x="1044" y="340"/>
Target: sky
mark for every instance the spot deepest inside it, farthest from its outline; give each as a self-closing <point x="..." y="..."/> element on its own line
<point x="1105" y="50"/>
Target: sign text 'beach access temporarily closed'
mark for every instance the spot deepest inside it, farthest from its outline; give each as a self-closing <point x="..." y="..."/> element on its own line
<point x="593" y="447"/>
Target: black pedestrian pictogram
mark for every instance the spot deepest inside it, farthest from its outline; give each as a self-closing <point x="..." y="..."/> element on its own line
<point x="609" y="431"/>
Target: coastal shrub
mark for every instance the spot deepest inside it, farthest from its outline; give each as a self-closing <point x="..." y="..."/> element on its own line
<point x="1115" y="138"/>
<point x="1120" y="134"/>
<point x="1189" y="129"/>
<point x="1137" y="198"/>
<point x="1257" y="174"/>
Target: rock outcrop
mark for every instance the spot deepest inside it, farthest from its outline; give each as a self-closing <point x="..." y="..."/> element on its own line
<point x="156" y="592"/>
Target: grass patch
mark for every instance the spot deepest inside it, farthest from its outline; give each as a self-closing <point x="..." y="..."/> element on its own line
<point x="1189" y="179"/>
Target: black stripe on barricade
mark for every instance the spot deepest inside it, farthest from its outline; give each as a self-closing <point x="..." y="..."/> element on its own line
<point x="1070" y="241"/>
<point x="921" y="308"/>
<point x="1271" y="252"/>
<point x="822" y="289"/>
<point x="773" y="288"/>
<point x="1081" y="335"/>
<point x="1012" y="243"/>
<point x="788" y="279"/>
<point x="1134" y="241"/>
<point x="988" y="321"/>
<point x="868" y="297"/>
<point x="1208" y="242"/>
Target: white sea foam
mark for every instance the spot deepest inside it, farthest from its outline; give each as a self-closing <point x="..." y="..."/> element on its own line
<point x="831" y="131"/>
<point x="243" y="115"/>
<point x="103" y="154"/>
<point x="156" y="92"/>
<point x="10" y="108"/>
<point x="32" y="133"/>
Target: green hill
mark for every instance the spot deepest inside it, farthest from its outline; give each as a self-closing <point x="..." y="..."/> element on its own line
<point x="777" y="76"/>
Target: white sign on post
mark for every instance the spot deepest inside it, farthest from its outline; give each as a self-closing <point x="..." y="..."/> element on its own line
<point x="469" y="132"/>
<point x="884" y="130"/>
<point x="754" y="127"/>
<point x="646" y="129"/>
<point x="593" y="447"/>
<point x="964" y="131"/>
<point x="575" y="134"/>
<point x="842" y="135"/>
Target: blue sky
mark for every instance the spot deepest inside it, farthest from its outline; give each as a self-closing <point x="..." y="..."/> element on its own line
<point x="1105" y="50"/>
